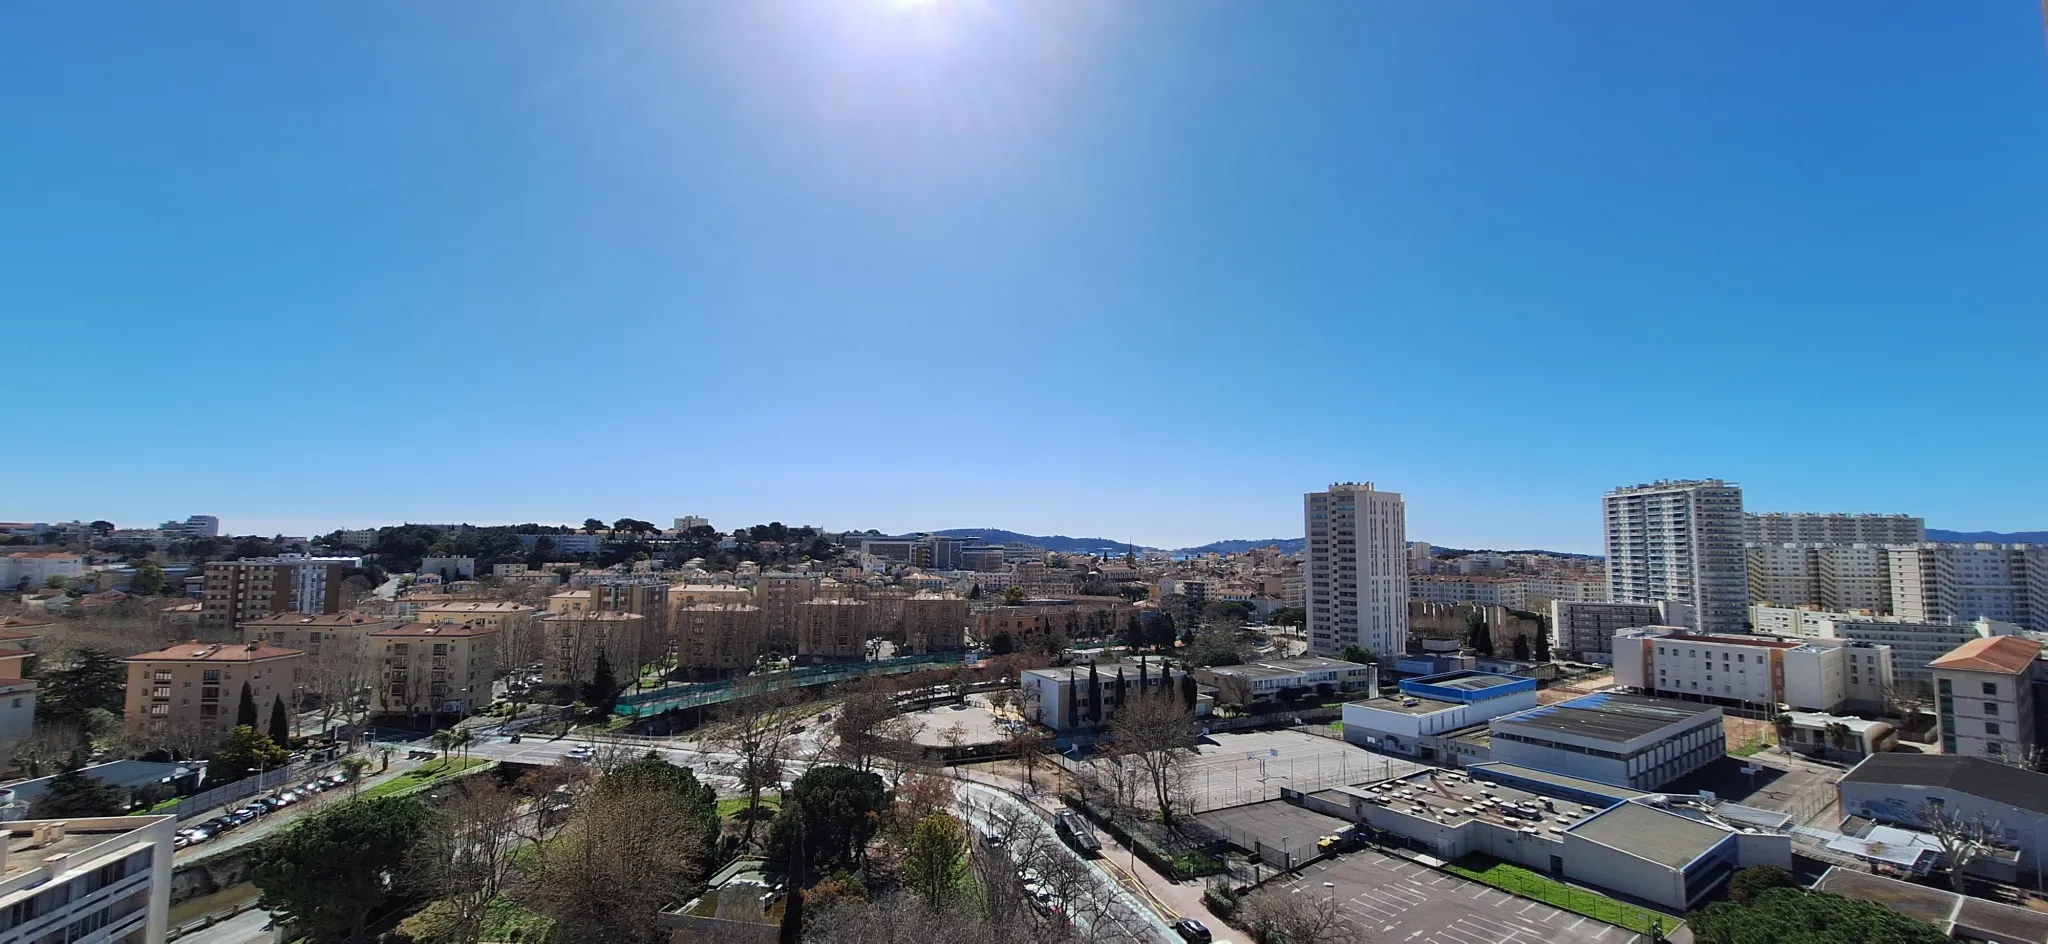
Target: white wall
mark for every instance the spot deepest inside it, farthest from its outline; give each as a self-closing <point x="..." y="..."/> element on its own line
<point x="1605" y="867"/>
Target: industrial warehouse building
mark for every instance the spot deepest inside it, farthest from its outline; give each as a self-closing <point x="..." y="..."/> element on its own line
<point x="1667" y="851"/>
<point x="1626" y="740"/>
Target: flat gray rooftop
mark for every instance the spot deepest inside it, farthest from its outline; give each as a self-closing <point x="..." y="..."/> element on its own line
<point x="1609" y="717"/>
<point x="1668" y="839"/>
<point x="1474" y="683"/>
<point x="1422" y="706"/>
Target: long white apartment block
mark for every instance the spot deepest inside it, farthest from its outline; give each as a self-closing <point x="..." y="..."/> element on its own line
<point x="1915" y="644"/>
<point x="1680" y="541"/>
<point x="1806" y="674"/>
<point x="1356" y="558"/>
<point x="1825" y="576"/>
<point x="1962" y="582"/>
<point x="1779" y="527"/>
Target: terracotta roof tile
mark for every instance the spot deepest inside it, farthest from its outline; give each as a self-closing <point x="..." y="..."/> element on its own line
<point x="2006" y="655"/>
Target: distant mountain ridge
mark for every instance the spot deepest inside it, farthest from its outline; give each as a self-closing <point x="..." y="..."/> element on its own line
<point x="1988" y="537"/>
<point x="1067" y="545"/>
<point x="1051" y="542"/>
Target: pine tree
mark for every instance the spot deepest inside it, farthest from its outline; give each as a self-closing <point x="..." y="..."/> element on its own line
<point x="245" y="715"/>
<point x="74" y="794"/>
<point x="280" y="723"/>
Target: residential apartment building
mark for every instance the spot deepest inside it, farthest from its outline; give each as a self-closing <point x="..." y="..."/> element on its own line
<point x="1756" y="671"/>
<point x="198" y="686"/>
<point x="17" y="699"/>
<point x="833" y="630"/>
<point x="94" y="880"/>
<point x="1075" y="618"/>
<point x="435" y="668"/>
<point x="1081" y="697"/>
<point x="571" y="643"/>
<point x="1915" y="645"/>
<point x="1518" y="592"/>
<point x="1584" y="632"/>
<point x="30" y="570"/>
<point x="703" y="594"/>
<point x="1830" y="577"/>
<point x="716" y="638"/>
<point x="316" y="633"/>
<point x="1984" y="691"/>
<point x="1959" y="582"/>
<point x="1680" y="541"/>
<point x="196" y="526"/>
<point x="1357" y="561"/>
<point x="933" y="622"/>
<point x="450" y="568"/>
<point x="1777" y="527"/>
<point x="777" y="593"/>
<point x="251" y="588"/>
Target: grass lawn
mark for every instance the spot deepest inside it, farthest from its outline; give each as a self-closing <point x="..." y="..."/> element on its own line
<point x="1754" y="745"/>
<point x="733" y="806"/>
<point x="425" y="776"/>
<point x="1521" y="881"/>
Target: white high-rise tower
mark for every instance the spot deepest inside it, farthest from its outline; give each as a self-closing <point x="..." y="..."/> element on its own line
<point x="1681" y="542"/>
<point x="1357" y="570"/>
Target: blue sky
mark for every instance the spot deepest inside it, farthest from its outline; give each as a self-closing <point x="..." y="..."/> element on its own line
<point x="1140" y="270"/>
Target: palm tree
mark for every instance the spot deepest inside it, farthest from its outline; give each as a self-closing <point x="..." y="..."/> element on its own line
<point x="1839" y="736"/>
<point x="354" y="768"/>
<point x="463" y="738"/>
<point x="1783" y="722"/>
<point x="443" y="741"/>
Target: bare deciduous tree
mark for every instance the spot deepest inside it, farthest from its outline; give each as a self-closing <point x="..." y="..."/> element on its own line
<point x="1962" y="836"/>
<point x="752" y="743"/>
<point x="465" y="857"/>
<point x="623" y="857"/>
<point x="1298" y="916"/>
<point x="1156" y="731"/>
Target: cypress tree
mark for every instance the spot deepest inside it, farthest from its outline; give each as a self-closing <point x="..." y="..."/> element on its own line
<point x="245" y="715"/>
<point x="280" y="723"/>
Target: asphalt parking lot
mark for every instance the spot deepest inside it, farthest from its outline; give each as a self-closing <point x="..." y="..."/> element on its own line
<point x="1392" y="899"/>
<point x="1281" y="827"/>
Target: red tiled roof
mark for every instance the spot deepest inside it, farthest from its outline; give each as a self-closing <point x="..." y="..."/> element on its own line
<point x="2006" y="655"/>
<point x="196" y="651"/>
<point x="439" y="629"/>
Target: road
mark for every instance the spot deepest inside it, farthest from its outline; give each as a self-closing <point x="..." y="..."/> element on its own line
<point x="249" y="927"/>
<point x="1130" y="919"/>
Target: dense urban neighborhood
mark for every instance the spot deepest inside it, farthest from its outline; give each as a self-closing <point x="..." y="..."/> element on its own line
<point x="628" y="732"/>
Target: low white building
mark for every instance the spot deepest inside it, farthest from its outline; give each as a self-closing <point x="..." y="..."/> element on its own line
<point x="1257" y="682"/>
<point x="32" y="569"/>
<point x="1816" y="733"/>
<point x="1432" y="709"/>
<point x="1065" y="698"/>
<point x="1984" y="696"/>
<point x="1904" y="789"/>
<point x="1812" y="675"/>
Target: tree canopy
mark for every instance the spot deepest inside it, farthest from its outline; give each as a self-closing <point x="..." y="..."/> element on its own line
<point x="696" y="802"/>
<point x="93" y="679"/>
<point x="328" y="871"/>
<point x="1798" y="916"/>
<point x="838" y="809"/>
<point x="75" y="794"/>
<point x="246" y="751"/>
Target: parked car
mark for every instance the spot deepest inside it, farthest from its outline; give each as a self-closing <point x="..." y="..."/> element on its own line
<point x="1192" y="931"/>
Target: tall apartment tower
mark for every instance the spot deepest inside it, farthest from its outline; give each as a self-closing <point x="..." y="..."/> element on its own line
<point x="1680" y="541"/>
<point x="1357" y="569"/>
